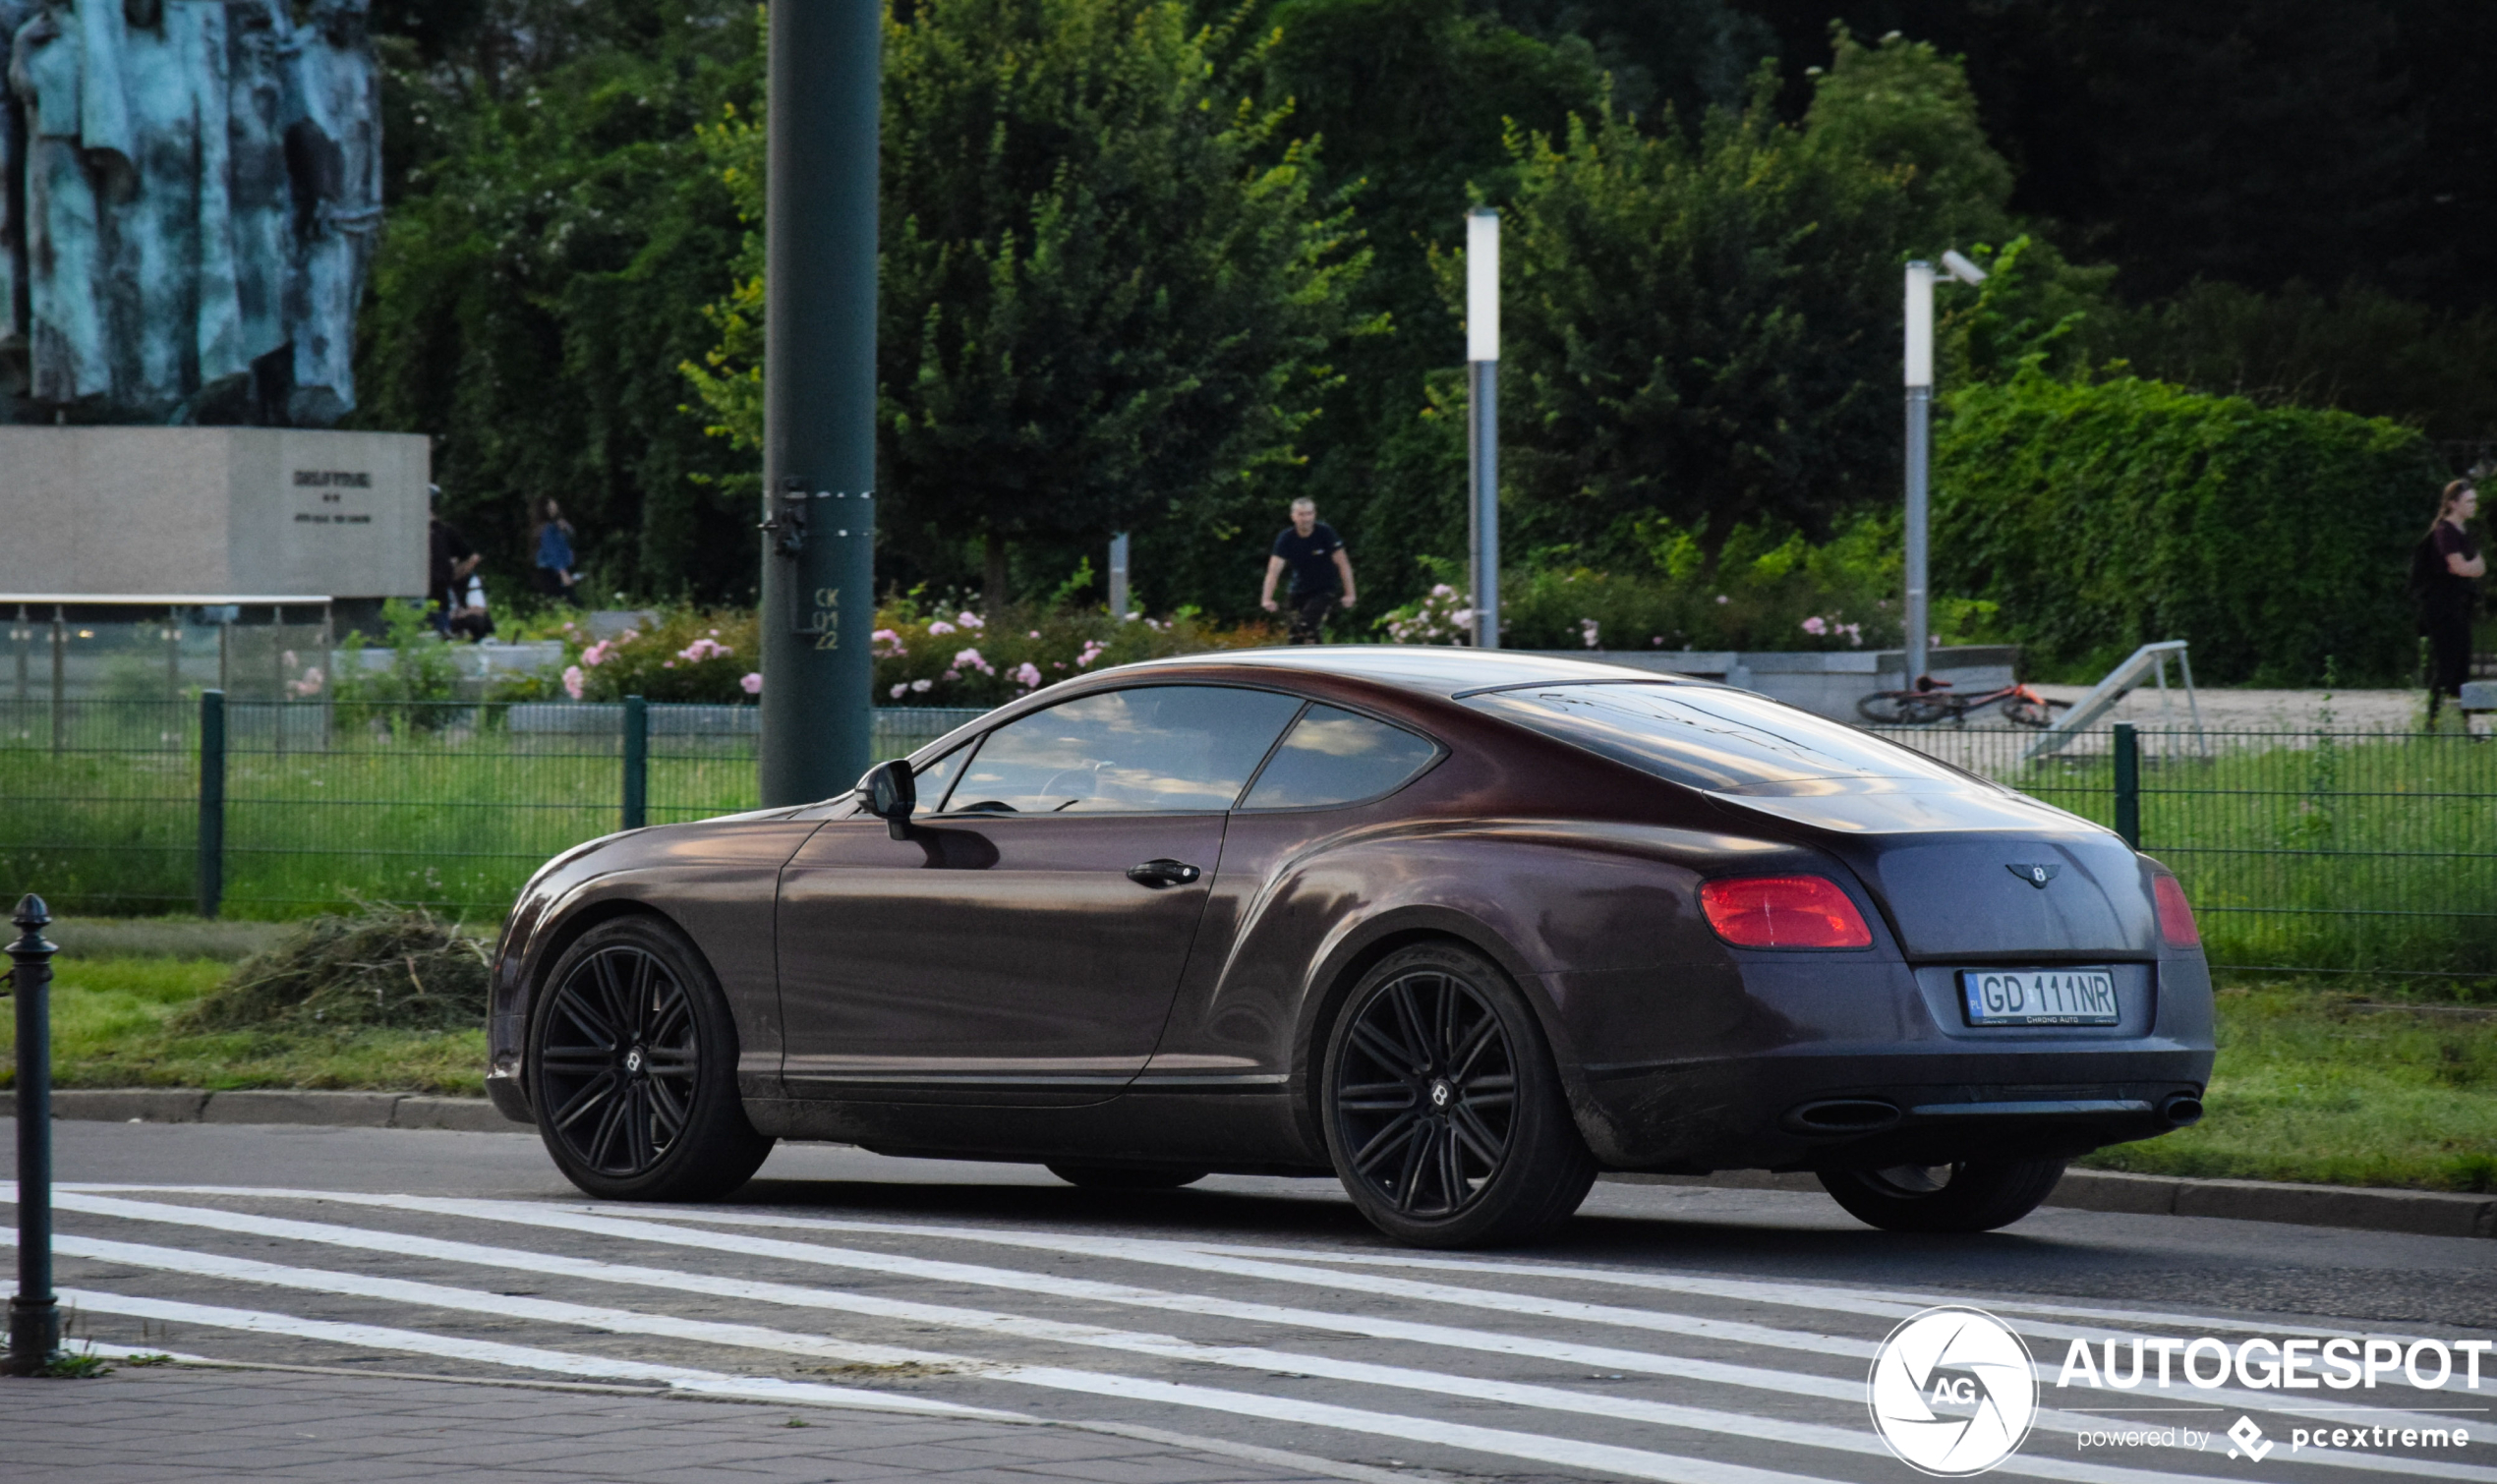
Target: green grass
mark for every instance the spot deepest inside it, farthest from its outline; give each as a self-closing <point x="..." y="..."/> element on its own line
<point x="2313" y="1086"/>
<point x="109" y="1030"/>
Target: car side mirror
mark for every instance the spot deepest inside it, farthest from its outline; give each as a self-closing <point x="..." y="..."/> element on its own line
<point x="892" y="794"/>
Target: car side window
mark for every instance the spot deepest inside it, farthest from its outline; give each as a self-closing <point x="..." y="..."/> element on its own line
<point x="934" y="779"/>
<point x="1148" y="749"/>
<point x="1335" y="757"/>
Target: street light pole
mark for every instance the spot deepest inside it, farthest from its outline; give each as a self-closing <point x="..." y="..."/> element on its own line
<point x="1920" y="449"/>
<point x="818" y="398"/>
<point x="1920" y="435"/>
<point x="1482" y="405"/>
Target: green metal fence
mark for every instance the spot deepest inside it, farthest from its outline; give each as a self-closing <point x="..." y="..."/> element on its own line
<point x="2319" y="850"/>
<point x="135" y="806"/>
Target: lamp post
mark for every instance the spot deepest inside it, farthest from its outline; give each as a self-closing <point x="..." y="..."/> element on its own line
<point x="818" y="398"/>
<point x="1482" y="420"/>
<point x="1920" y="447"/>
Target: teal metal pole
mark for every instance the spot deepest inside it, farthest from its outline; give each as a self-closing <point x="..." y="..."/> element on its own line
<point x="636" y="762"/>
<point x="2128" y="784"/>
<point x="818" y="398"/>
<point x="212" y="867"/>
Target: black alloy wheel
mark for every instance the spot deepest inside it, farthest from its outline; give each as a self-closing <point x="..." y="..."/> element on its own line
<point x="632" y="1056"/>
<point x="1443" y="1111"/>
<point x="1977" y="1195"/>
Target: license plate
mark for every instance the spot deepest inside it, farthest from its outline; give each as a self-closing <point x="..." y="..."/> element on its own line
<point x="2039" y="997"/>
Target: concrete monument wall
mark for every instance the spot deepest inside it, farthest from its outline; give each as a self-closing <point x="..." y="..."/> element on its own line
<point x="212" y="510"/>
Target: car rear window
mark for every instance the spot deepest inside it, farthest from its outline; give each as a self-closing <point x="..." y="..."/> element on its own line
<point x="1707" y="737"/>
<point x="1334" y="757"/>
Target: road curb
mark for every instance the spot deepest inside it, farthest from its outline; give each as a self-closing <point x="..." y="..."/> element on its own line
<point x="327" y="1110"/>
<point x="2416" y="1213"/>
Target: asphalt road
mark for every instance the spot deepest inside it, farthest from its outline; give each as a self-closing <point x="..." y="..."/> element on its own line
<point x="1671" y="1333"/>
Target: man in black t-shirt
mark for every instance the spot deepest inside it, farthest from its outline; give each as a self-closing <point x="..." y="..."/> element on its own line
<point x="1321" y="574"/>
<point x="448" y="560"/>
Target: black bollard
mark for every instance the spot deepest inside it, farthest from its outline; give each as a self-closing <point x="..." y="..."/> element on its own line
<point x="35" y="1315"/>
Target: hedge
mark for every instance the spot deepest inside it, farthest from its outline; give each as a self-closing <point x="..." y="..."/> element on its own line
<point x="2104" y="515"/>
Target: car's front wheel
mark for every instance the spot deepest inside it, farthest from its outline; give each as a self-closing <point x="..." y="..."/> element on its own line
<point x="632" y="1066"/>
<point x="1443" y="1111"/>
<point x="1977" y="1196"/>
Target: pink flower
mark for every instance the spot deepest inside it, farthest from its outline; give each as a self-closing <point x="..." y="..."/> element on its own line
<point x="951" y="675"/>
<point x="596" y="655"/>
<point x="939" y="627"/>
<point x="1721" y="598"/>
<point x="1816" y="625"/>
<point x="1028" y="675"/>
<point x="668" y="665"/>
<point x="897" y="690"/>
<point x="752" y="683"/>
<point x="1035" y="633"/>
<point x="970" y="621"/>
<point x="572" y="680"/>
<point x="973" y="658"/>
<point x="1444" y="590"/>
<point x="922" y="685"/>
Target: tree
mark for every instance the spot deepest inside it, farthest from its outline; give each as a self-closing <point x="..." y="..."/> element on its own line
<point x="1705" y="327"/>
<point x="543" y="275"/>
<point x="1110" y="288"/>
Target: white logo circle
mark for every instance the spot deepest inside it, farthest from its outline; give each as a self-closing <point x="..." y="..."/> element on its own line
<point x="1953" y="1390"/>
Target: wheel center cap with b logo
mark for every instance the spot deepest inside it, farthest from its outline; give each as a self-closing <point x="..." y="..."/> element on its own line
<point x="1953" y="1390"/>
<point x="633" y="1060"/>
<point x="1442" y="1093"/>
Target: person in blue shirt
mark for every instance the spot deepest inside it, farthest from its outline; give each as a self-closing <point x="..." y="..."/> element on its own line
<point x="553" y="537"/>
<point x="1321" y="573"/>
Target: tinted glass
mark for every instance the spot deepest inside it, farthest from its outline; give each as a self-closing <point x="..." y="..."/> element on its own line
<point x="1708" y="737"/>
<point x="1152" y="749"/>
<point x="1334" y="757"/>
<point x="936" y="777"/>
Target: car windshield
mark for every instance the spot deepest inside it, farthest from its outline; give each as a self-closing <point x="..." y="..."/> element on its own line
<point x="1709" y="737"/>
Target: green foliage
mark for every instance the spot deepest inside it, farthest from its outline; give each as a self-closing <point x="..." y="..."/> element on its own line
<point x="420" y="675"/>
<point x="1705" y="329"/>
<point x="544" y="273"/>
<point x="1110" y="284"/>
<point x="697" y="655"/>
<point x="2360" y="350"/>
<point x="928" y="655"/>
<point x="2101" y="516"/>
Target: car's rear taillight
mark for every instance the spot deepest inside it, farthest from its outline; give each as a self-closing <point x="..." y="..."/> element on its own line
<point x="2176" y="914"/>
<point x="1783" y="912"/>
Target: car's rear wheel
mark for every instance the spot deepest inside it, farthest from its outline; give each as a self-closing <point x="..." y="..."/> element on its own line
<point x="632" y="1066"/>
<point x="1443" y="1111"/>
<point x="1125" y="1177"/>
<point x="1976" y="1196"/>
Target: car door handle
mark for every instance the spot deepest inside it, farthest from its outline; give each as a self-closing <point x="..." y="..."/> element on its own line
<point x="1158" y="873"/>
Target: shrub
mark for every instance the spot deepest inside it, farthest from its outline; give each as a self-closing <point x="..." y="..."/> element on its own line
<point x="927" y="654"/>
<point x="2105" y="515"/>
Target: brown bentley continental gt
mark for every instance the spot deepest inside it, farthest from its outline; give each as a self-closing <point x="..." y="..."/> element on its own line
<point x="1460" y="929"/>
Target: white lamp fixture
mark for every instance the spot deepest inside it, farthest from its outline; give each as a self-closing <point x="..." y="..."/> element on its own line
<point x="1482" y="286"/>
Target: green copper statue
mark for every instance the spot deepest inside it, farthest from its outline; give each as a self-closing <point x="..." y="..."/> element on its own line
<point x="189" y="194"/>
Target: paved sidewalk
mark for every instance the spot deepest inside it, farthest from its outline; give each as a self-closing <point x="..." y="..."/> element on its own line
<point x="192" y="1423"/>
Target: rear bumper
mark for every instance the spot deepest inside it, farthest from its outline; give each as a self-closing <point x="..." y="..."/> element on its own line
<point x="1861" y="1069"/>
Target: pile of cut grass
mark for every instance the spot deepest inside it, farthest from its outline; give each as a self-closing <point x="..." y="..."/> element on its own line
<point x="400" y="968"/>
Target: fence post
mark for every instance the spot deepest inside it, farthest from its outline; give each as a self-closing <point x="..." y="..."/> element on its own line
<point x="2127" y="747"/>
<point x="212" y="867"/>
<point x="636" y="762"/>
<point x="34" y="1314"/>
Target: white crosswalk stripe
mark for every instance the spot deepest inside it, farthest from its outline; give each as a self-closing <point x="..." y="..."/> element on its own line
<point x="1809" y="1410"/>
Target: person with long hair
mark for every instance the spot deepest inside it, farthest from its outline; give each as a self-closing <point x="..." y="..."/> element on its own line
<point x="552" y="534"/>
<point x="2450" y="593"/>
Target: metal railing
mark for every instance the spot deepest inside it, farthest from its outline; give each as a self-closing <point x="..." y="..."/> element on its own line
<point x="2317" y="851"/>
<point x="272" y="809"/>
